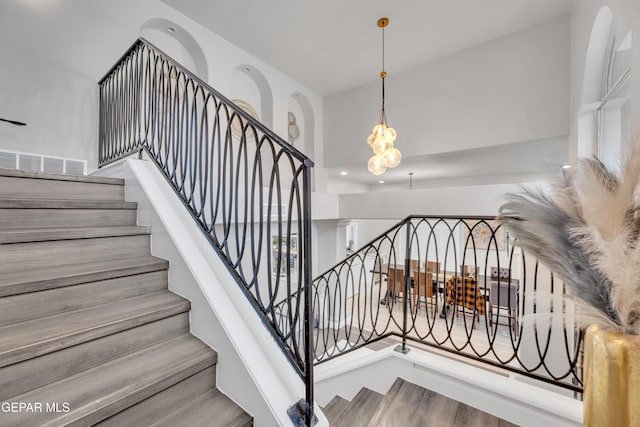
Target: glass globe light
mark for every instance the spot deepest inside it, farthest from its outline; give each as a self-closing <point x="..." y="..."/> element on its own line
<point x="371" y="139"/>
<point x="393" y="157"/>
<point x="377" y="165"/>
<point x="379" y="129"/>
<point x="381" y="146"/>
<point x="390" y="134"/>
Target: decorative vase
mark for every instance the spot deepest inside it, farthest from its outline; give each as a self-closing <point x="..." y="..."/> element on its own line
<point x="611" y="378"/>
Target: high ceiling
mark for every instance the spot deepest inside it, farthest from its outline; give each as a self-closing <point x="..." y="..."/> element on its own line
<point x="328" y="46"/>
<point x="333" y="45"/>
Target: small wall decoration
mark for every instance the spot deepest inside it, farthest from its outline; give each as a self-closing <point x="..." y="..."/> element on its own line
<point x="483" y="234"/>
<point x="281" y="247"/>
<point x="293" y="132"/>
<point x="237" y="124"/>
<point x="171" y="88"/>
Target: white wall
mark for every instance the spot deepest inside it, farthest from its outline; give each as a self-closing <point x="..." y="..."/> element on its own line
<point x="170" y="46"/>
<point x="58" y="104"/>
<point x="456" y="201"/>
<point x="369" y="229"/>
<point x="328" y="245"/>
<point x="343" y="186"/>
<point x="515" y="88"/>
<point x="463" y="181"/>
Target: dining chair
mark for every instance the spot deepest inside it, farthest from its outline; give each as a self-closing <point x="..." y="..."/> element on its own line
<point x="395" y="283"/>
<point x="433" y="266"/>
<point x="377" y="270"/>
<point x="423" y="286"/>
<point x="504" y="296"/>
<point x="468" y="270"/>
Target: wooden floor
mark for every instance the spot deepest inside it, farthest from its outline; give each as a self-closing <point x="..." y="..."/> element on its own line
<point x="406" y="405"/>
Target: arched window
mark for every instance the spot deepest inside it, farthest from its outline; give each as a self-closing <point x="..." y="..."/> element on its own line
<point x="613" y="114"/>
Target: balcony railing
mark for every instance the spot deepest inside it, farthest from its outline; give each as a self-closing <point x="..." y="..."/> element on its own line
<point x="459" y="285"/>
<point x="247" y="189"/>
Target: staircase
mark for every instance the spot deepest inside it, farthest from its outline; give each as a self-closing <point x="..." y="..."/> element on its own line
<point x="89" y="332"/>
<point x="406" y="405"/>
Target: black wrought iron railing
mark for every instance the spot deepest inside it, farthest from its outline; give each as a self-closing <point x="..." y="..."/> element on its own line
<point x="247" y="189"/>
<point x="461" y="285"/>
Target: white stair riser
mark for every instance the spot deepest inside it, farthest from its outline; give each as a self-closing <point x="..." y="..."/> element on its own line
<point x="18" y="378"/>
<point x="33" y="188"/>
<point x="11" y="219"/>
<point x="20" y="308"/>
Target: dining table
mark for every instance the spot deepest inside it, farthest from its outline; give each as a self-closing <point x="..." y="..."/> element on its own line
<point x="440" y="278"/>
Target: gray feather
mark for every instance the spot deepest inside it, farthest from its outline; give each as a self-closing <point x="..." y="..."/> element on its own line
<point x="586" y="229"/>
<point x="544" y="229"/>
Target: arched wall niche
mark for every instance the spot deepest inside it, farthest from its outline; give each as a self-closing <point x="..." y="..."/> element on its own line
<point x="250" y="85"/>
<point x="300" y="104"/>
<point x="301" y="107"/>
<point x="176" y="42"/>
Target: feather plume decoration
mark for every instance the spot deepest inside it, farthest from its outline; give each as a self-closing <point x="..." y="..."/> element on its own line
<point x="586" y="229"/>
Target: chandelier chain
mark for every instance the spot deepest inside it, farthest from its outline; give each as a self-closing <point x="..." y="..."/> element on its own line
<point x="383" y="74"/>
<point x="382" y="136"/>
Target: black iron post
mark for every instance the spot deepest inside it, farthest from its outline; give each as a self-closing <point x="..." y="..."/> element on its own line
<point x="407" y="289"/>
<point x="308" y="297"/>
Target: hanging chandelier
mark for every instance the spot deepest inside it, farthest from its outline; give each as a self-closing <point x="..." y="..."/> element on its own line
<point x="382" y="137"/>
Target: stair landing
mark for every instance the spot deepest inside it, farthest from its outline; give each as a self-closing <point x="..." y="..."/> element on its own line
<point x="407" y="405"/>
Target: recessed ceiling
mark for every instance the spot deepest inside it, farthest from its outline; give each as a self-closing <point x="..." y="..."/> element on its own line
<point x="515" y="159"/>
<point x="333" y="45"/>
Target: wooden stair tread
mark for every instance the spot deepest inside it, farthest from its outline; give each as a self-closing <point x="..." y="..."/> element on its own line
<point x="334" y="408"/>
<point x="48" y="234"/>
<point x="18" y="378"/>
<point x="402" y="402"/>
<point x="163" y="404"/>
<point x="17" y="173"/>
<point x="213" y="409"/>
<point x="50" y="302"/>
<point x="18" y="282"/>
<point x="9" y="203"/>
<point x="21" y="341"/>
<point x="360" y="410"/>
<point x="410" y="405"/>
<point x="105" y="390"/>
